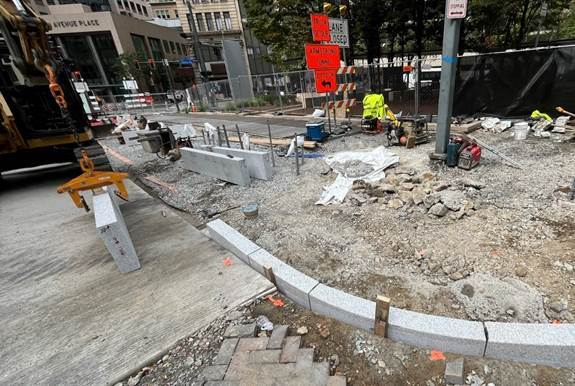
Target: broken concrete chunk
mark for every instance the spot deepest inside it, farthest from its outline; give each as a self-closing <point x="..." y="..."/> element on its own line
<point x="452" y="199"/>
<point x="395" y="203"/>
<point x="473" y="183"/>
<point x="418" y="195"/>
<point x="438" y="210"/>
<point x="406" y="186"/>
<point x="431" y="200"/>
<point x="392" y="180"/>
<point x="381" y="190"/>
<point x="441" y="186"/>
<point x="406" y="196"/>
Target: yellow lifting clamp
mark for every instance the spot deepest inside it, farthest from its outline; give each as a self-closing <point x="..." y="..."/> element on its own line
<point x="91" y="180"/>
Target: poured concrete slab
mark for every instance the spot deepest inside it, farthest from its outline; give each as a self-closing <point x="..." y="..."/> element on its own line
<point x="69" y="317"/>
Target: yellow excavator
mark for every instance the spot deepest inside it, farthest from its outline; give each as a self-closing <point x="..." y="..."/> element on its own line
<point x="42" y="119"/>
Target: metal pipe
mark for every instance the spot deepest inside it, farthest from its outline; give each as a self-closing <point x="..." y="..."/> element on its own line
<point x="204" y="136"/>
<point x="271" y="144"/>
<point x="226" y="135"/>
<point x="239" y="136"/>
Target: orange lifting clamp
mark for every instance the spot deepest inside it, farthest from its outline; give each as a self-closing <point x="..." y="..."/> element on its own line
<point x="91" y="180"/>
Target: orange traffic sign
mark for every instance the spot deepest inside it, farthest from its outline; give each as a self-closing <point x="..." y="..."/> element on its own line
<point x="322" y="56"/>
<point x="320" y="27"/>
<point x="325" y="81"/>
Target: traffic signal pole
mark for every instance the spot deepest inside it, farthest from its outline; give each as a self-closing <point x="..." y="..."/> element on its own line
<point x="451" y="28"/>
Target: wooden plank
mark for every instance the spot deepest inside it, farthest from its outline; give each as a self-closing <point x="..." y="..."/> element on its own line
<point x="382" y="304"/>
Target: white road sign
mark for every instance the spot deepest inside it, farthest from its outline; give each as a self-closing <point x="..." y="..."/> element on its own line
<point x="339" y="32"/>
<point x="456" y="9"/>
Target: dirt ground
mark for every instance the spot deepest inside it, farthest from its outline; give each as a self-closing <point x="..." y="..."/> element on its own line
<point x="363" y="358"/>
<point x="507" y="255"/>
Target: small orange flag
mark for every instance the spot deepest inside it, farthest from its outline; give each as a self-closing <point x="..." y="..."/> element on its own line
<point x="228" y="262"/>
<point x="276" y="302"/>
<point x="436" y="355"/>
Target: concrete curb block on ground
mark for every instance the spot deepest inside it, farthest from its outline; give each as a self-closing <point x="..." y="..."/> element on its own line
<point x="546" y="344"/>
<point x="436" y="332"/>
<point x="232" y="240"/>
<point x="289" y="281"/>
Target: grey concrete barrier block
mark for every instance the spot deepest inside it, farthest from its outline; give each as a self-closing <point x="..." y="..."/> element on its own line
<point x="258" y="162"/>
<point x="342" y="306"/>
<point x="114" y="232"/>
<point x="546" y="344"/>
<point x="232" y="240"/>
<point x="436" y="332"/>
<point x="289" y="281"/>
<point x="223" y="167"/>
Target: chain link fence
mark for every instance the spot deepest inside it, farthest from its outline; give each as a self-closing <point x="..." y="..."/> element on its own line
<point x="411" y="87"/>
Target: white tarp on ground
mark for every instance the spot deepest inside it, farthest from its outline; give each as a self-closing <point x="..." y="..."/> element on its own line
<point x="366" y="165"/>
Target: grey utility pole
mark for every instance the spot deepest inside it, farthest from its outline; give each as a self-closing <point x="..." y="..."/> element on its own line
<point x="197" y="49"/>
<point x="451" y="27"/>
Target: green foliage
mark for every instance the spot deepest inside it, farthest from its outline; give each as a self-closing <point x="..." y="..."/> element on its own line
<point x="284" y="26"/>
<point x="567" y="29"/>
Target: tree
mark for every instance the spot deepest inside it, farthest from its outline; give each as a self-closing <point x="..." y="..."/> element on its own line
<point x="284" y="26"/>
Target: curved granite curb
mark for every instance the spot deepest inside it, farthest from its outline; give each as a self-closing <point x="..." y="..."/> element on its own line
<point x="538" y="343"/>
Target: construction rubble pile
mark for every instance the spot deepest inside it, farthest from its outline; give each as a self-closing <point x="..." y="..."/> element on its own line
<point x="423" y="192"/>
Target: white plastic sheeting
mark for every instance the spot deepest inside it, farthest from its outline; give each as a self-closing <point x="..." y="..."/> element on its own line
<point x="374" y="162"/>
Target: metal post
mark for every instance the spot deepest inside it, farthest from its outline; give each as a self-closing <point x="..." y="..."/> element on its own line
<point x="542" y="14"/>
<point x="219" y="136"/>
<point x="302" y="152"/>
<point x="296" y="157"/>
<point x="334" y="112"/>
<point x="204" y="137"/>
<point x="239" y="137"/>
<point x="171" y="82"/>
<point x="226" y="135"/>
<point x="451" y="29"/>
<point x="417" y="85"/>
<point x="271" y="144"/>
<point x="327" y="112"/>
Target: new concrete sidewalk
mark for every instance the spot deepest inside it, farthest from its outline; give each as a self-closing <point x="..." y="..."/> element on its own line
<point x="69" y="317"/>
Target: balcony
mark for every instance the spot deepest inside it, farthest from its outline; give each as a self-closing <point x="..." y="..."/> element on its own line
<point x="162" y="2"/>
<point x="170" y="23"/>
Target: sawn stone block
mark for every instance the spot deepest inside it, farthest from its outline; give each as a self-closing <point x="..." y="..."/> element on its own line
<point x="342" y="306"/>
<point x="258" y="162"/>
<point x="223" y="167"/>
<point x="546" y="344"/>
<point x="436" y="332"/>
<point x="114" y="232"/>
<point x="232" y="240"/>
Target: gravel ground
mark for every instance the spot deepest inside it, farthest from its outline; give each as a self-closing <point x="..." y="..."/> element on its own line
<point x="363" y="358"/>
<point x="505" y="253"/>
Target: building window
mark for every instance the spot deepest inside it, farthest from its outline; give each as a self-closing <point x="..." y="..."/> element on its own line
<point x="200" y="22"/>
<point x="250" y="51"/>
<point x="132" y="6"/>
<point x="119" y="2"/>
<point x="173" y="47"/>
<point x="166" y="46"/>
<point x="50" y="2"/>
<point x="209" y="21"/>
<point x="227" y="21"/>
<point x="156" y="48"/>
<point x="126" y="5"/>
<point x="139" y="9"/>
<point x="176" y="13"/>
<point x="140" y="47"/>
<point x="145" y="11"/>
<point x="179" y="46"/>
<point x="218" y="20"/>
